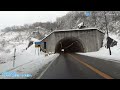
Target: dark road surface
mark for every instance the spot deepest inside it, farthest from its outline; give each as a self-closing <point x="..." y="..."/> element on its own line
<point x="75" y="66"/>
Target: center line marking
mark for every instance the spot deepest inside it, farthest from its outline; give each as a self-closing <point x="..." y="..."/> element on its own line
<point x="93" y="69"/>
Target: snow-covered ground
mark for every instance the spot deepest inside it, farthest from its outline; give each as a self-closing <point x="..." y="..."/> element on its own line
<point x="7" y="52"/>
<point x="8" y="42"/>
<point x="27" y="61"/>
<point x="103" y="53"/>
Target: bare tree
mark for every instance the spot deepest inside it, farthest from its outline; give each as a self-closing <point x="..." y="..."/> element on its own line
<point x="107" y="32"/>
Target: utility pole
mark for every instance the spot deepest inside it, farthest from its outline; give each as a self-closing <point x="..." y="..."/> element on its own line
<point x="107" y="33"/>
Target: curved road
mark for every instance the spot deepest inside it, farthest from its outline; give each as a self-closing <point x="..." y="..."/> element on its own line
<point x="75" y="66"/>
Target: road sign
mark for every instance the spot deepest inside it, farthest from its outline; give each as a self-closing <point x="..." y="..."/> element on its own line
<point x="109" y="42"/>
<point x="87" y="13"/>
<point x="38" y="43"/>
<point x="37" y="46"/>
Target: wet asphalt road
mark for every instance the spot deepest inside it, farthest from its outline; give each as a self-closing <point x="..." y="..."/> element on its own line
<point x="75" y="66"/>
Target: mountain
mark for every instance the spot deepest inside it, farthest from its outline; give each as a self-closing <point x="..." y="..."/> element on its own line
<point x="73" y="18"/>
<point x="15" y="35"/>
<point x="96" y="19"/>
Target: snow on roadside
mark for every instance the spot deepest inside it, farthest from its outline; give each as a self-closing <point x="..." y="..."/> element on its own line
<point x="7" y="54"/>
<point x="28" y="61"/>
<point x="32" y="67"/>
<point x="103" y="53"/>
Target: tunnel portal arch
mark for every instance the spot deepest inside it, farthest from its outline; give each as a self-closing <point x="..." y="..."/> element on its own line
<point x="70" y="44"/>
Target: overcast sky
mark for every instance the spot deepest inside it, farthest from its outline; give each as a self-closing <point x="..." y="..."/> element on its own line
<point x="10" y="18"/>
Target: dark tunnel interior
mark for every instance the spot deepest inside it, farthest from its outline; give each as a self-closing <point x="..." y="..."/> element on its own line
<point x="69" y="45"/>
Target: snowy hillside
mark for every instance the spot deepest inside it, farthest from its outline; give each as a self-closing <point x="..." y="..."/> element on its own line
<point x="9" y="40"/>
<point x="27" y="61"/>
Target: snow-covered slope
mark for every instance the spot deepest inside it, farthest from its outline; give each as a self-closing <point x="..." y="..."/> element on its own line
<point x="9" y="41"/>
<point x="14" y="39"/>
<point x="27" y="62"/>
<point x="27" y="59"/>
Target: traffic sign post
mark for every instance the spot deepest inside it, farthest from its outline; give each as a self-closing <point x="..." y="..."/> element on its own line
<point x="38" y="45"/>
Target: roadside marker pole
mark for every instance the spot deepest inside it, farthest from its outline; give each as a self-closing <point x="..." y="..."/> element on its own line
<point x="14" y="58"/>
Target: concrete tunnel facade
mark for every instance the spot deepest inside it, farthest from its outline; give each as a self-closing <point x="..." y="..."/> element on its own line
<point x="74" y="40"/>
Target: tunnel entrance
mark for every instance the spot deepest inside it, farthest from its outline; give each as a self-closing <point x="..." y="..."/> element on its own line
<point x="69" y="45"/>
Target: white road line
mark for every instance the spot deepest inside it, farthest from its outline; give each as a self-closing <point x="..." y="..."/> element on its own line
<point x="39" y="77"/>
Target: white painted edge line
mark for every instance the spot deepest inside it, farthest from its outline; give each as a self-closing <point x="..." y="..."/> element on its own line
<point x="39" y="77"/>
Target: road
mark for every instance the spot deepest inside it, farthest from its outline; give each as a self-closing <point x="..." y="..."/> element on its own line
<point x="75" y="66"/>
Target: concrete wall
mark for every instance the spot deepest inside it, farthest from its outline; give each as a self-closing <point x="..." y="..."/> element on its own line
<point x="50" y="43"/>
<point x="91" y="39"/>
<point x="100" y="37"/>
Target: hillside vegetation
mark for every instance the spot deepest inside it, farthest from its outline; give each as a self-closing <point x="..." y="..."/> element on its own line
<point x="12" y="37"/>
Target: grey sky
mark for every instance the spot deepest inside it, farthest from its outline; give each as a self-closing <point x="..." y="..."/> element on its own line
<point x="10" y="18"/>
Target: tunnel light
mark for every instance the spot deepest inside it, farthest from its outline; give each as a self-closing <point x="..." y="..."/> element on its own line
<point x="62" y="50"/>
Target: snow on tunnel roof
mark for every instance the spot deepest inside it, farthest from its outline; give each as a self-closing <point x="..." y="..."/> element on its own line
<point x="77" y="30"/>
<point x="35" y="40"/>
<point x="68" y="30"/>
